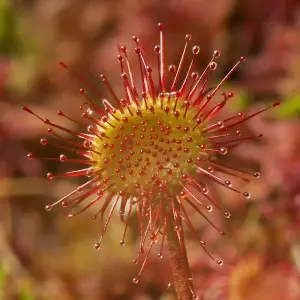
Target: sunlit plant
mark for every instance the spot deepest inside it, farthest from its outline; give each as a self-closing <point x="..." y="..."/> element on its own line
<point x="150" y="151"/>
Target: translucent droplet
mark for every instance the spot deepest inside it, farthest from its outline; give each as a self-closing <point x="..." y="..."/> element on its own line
<point x="256" y="174"/>
<point x="88" y="173"/>
<point x="196" y="50"/>
<point x="213" y="66"/>
<point x="153" y="237"/>
<point x="220" y="124"/>
<point x="205" y="190"/>
<point x="135" y="280"/>
<point x="177" y="228"/>
<point x="203" y="243"/>
<point x="247" y="195"/>
<point x="50" y="176"/>
<point x="97" y="246"/>
<point x="160" y="255"/>
<point x="194" y="75"/>
<point x="220" y="262"/>
<point x="227" y="215"/>
<point x="195" y="297"/>
<point x="48" y="207"/>
<point x="223" y="150"/>
<point x="87" y="144"/>
<point x="91" y="129"/>
<point x="217" y="53"/>
<point x="172" y="68"/>
<point x="43" y="141"/>
<point x="62" y="158"/>
<point x="122" y="242"/>
<point x="30" y="156"/>
<point x="209" y="208"/>
<point x="228" y="183"/>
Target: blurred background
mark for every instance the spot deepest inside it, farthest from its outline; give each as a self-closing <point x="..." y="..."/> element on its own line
<point x="46" y="256"/>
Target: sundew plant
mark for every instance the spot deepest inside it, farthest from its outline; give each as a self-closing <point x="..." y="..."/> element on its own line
<point x="148" y="152"/>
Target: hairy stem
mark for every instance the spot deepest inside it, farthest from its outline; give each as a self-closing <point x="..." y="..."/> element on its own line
<point x="178" y="260"/>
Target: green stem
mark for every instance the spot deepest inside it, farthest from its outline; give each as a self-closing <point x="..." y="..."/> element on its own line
<point x="178" y="260"/>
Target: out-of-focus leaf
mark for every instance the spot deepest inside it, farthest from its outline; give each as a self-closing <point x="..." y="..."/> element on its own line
<point x="289" y="108"/>
<point x="26" y="292"/>
<point x="8" y="29"/>
<point x="3" y="276"/>
<point x="22" y="73"/>
<point x="17" y="42"/>
<point x="240" y="102"/>
<point x="296" y="256"/>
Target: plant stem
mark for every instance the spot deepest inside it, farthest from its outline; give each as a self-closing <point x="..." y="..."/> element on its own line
<point x="178" y="260"/>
